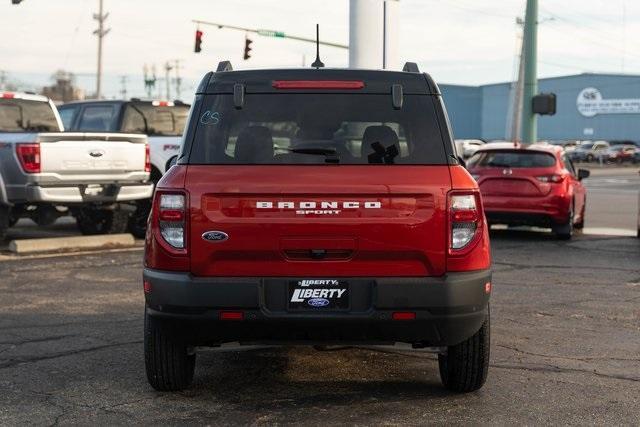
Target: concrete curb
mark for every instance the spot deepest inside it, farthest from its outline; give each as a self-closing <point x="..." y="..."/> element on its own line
<point x="70" y="244"/>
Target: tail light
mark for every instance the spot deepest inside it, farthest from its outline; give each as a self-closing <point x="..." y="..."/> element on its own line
<point x="465" y="219"/>
<point x="172" y="218"/>
<point x="29" y="156"/>
<point x="550" y="178"/>
<point x="147" y="159"/>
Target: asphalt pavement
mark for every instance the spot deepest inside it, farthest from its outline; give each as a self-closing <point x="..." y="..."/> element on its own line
<point x="565" y="345"/>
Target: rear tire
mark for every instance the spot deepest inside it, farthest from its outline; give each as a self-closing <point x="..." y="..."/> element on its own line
<point x="465" y="366"/>
<point x="565" y="231"/>
<point x="93" y="221"/>
<point x="168" y="364"/>
<point x="5" y="222"/>
<point x="138" y="220"/>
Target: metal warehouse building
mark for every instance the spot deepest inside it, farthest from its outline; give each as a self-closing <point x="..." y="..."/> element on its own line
<point x="589" y="106"/>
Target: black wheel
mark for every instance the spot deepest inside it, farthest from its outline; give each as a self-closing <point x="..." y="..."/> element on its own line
<point x="167" y="360"/>
<point x="45" y="216"/>
<point x="589" y="158"/>
<point x="138" y="220"/>
<point x="5" y="222"/>
<point x="102" y="221"/>
<point x="465" y="366"/>
<point x="565" y="231"/>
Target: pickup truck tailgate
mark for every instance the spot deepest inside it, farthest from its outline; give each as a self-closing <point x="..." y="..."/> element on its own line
<point x="69" y="155"/>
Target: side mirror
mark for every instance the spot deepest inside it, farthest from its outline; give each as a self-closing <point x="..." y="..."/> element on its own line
<point x="583" y="173"/>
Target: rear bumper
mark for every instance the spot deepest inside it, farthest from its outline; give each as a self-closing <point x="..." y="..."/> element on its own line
<point x="447" y="309"/>
<point x="78" y="193"/>
<point x="537" y="211"/>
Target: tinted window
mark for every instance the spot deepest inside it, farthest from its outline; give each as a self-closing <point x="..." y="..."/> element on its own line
<point x="67" y="115"/>
<point x="20" y="115"/>
<point x="155" y="120"/>
<point x="97" y="118"/>
<point x="317" y="129"/>
<point x="511" y="159"/>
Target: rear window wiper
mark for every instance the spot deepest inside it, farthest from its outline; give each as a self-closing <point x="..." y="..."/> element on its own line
<point x="331" y="155"/>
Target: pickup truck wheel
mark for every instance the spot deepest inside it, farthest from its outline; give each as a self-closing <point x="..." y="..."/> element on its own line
<point x="465" y="366"/>
<point x="5" y="222"/>
<point x="167" y="360"/>
<point x="138" y="220"/>
<point x="102" y="221"/>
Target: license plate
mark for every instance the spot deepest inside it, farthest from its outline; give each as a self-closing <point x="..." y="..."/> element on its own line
<point x="93" y="190"/>
<point x="318" y="294"/>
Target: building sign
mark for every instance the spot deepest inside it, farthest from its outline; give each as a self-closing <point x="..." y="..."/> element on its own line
<point x="590" y="103"/>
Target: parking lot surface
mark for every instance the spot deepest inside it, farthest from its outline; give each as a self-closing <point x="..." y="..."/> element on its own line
<point x="565" y="349"/>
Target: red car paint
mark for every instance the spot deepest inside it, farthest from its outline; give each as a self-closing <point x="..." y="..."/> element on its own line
<point x="406" y="236"/>
<point x="519" y="191"/>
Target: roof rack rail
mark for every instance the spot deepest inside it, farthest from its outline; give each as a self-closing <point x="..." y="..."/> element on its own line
<point x="224" y="66"/>
<point x="410" y="67"/>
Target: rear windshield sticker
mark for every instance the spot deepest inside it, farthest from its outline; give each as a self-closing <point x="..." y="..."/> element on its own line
<point x="210" y="118"/>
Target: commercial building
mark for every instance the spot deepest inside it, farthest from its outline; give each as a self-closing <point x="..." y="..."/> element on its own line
<point x="589" y="106"/>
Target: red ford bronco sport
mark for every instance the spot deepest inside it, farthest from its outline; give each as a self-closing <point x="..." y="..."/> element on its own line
<point x="316" y="207"/>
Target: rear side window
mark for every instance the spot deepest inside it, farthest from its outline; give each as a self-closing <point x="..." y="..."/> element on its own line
<point x="317" y="129"/>
<point x="67" y="115"/>
<point x="155" y="120"/>
<point x="97" y="118"/>
<point x="21" y="115"/>
<point x="511" y="159"/>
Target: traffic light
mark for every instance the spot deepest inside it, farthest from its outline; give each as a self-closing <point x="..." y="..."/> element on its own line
<point x="198" y="47"/>
<point x="247" y="48"/>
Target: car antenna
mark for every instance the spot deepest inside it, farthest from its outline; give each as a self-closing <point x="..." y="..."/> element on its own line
<point x="317" y="63"/>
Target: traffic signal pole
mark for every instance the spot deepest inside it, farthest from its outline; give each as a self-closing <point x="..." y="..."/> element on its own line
<point x="269" y="33"/>
<point x="529" y="119"/>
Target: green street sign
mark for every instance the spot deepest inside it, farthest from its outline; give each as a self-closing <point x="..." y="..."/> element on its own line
<point x="271" y="33"/>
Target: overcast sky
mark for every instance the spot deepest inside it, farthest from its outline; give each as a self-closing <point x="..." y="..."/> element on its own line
<point x="457" y="41"/>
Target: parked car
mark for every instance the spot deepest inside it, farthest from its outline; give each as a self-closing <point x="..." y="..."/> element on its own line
<point x="46" y="173"/>
<point x="620" y="154"/>
<point x="533" y="185"/>
<point x="162" y="121"/>
<point x="466" y="147"/>
<point x="567" y="146"/>
<point x="589" y="151"/>
<point x="316" y="206"/>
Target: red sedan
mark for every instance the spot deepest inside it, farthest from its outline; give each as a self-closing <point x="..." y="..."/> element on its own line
<point x="533" y="185"/>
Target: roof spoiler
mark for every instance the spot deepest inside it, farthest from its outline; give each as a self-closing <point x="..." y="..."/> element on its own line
<point x="224" y="66"/>
<point x="410" y="67"/>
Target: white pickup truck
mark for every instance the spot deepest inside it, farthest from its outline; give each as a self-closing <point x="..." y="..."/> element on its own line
<point x="46" y="173"/>
<point x="162" y="121"/>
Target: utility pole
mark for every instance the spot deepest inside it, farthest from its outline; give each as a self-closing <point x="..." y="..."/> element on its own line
<point x="123" y="89"/>
<point x="167" y="76"/>
<point x="3" y="80"/>
<point x="529" y="119"/>
<point x="515" y="111"/>
<point x="149" y="79"/>
<point x="178" y="78"/>
<point x="100" y="32"/>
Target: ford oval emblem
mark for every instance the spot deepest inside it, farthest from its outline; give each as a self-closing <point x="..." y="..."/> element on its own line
<point x="318" y="302"/>
<point x="96" y="153"/>
<point x="215" y="236"/>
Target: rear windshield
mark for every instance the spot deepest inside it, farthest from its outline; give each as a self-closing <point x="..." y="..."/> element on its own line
<point x="155" y="120"/>
<point x="21" y="115"/>
<point x="511" y="159"/>
<point x="317" y="129"/>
